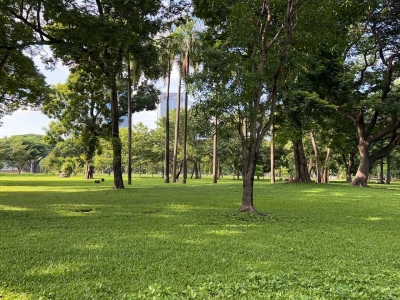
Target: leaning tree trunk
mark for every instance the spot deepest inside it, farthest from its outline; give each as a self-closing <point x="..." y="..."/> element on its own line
<point x="310" y="166"/>
<point x="179" y="171"/>
<point x="300" y="161"/>
<point x="362" y="174"/>
<point x="115" y="140"/>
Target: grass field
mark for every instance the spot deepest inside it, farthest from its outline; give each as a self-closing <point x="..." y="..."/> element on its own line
<point x="65" y="238"/>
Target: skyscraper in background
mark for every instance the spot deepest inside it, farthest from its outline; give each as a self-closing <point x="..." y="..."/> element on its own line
<point x="162" y="106"/>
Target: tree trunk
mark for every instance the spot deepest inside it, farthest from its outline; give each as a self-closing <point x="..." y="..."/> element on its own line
<point x="89" y="154"/>
<point x="248" y="172"/>
<point x="388" y="178"/>
<point x="249" y="161"/>
<point x="348" y="176"/>
<point x="129" y="124"/>
<point x="179" y="171"/>
<point x="349" y="165"/>
<point x="317" y="158"/>
<point x="88" y="170"/>
<point x="215" y="140"/>
<point x="362" y="174"/>
<point x="199" y="170"/>
<point x="115" y="140"/>
<point x="176" y="133"/>
<point x="196" y="170"/>
<point x="166" y="156"/>
<point x="325" y="171"/>
<point x="185" y="123"/>
<point x="310" y="166"/>
<point x="381" y="180"/>
<point x="272" y="155"/>
<point x="300" y="162"/>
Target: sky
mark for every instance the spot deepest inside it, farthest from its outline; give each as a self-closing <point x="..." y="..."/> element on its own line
<point x="26" y="121"/>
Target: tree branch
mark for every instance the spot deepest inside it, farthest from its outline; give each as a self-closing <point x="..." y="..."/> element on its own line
<point x="373" y="121"/>
<point x="385" y="151"/>
<point x="362" y="75"/>
<point x="385" y="131"/>
<point x="36" y="29"/>
<point x="100" y="8"/>
<point x="388" y="82"/>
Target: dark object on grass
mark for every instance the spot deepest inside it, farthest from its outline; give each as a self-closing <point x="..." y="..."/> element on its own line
<point x="97" y="181"/>
<point x="82" y="210"/>
<point x="102" y="179"/>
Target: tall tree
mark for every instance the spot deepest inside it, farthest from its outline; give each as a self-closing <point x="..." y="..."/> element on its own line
<point x="168" y="58"/>
<point x="81" y="106"/>
<point x="120" y="27"/>
<point x="369" y="96"/>
<point x="246" y="43"/>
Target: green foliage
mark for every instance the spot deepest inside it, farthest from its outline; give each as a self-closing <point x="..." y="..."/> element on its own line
<point x="104" y="157"/>
<point x="68" y="149"/>
<point x="21" y="83"/>
<point x="259" y="171"/>
<point x="146" y="97"/>
<point x="19" y="150"/>
<point x="67" y="168"/>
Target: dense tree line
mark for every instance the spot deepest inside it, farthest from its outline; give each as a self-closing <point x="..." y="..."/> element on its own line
<point x="323" y="76"/>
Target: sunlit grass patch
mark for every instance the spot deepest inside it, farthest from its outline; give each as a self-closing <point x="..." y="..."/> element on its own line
<point x="53" y="269"/>
<point x="225" y="232"/>
<point x="70" y="239"/>
<point x="13" y="208"/>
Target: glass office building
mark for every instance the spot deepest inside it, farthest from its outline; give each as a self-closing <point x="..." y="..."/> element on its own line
<point x="162" y="106"/>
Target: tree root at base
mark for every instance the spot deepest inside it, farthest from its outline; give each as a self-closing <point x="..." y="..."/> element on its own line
<point x="251" y="210"/>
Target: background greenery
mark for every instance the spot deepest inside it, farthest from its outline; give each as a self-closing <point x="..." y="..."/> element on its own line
<point x="64" y="238"/>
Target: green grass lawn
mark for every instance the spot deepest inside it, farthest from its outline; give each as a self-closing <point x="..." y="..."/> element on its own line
<point x="65" y="238"/>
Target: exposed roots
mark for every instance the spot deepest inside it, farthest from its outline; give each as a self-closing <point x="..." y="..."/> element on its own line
<point x="359" y="182"/>
<point x="251" y="210"/>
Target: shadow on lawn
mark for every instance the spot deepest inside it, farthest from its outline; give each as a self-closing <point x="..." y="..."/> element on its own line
<point x="109" y="244"/>
<point x="83" y="245"/>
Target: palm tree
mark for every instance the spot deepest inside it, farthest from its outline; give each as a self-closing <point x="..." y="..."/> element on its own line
<point x="168" y="56"/>
<point x="134" y="73"/>
<point x="176" y="132"/>
<point x="188" y="38"/>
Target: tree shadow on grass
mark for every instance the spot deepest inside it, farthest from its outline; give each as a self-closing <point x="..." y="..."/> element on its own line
<point x="112" y="244"/>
